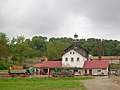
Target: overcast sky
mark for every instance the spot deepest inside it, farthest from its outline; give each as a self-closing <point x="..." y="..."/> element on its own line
<point x="61" y="18"/>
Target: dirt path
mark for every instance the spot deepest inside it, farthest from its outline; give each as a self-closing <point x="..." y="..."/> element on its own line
<point x="103" y="83"/>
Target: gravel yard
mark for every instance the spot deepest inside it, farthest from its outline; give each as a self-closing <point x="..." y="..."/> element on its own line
<point x="103" y="83"/>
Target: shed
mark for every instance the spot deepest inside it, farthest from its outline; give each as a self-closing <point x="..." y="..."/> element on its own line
<point x="96" y="67"/>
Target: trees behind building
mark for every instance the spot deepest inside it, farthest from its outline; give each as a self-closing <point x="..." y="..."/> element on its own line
<point x="19" y="48"/>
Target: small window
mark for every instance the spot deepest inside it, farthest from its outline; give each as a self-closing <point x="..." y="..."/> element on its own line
<point x="73" y="52"/>
<point x="75" y="47"/>
<point x="70" y="52"/>
<point x="78" y="59"/>
<point x="98" y="70"/>
<point x="66" y="59"/>
<point x="103" y="69"/>
<point x="72" y="59"/>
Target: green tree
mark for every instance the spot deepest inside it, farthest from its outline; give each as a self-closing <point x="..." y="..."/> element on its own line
<point x="20" y="50"/>
<point x="39" y="44"/>
<point x="4" y="47"/>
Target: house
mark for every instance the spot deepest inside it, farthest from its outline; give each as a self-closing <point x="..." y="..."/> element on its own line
<point x="96" y="67"/>
<point x="74" y="55"/>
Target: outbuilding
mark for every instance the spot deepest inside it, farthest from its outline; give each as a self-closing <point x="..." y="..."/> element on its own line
<point x="96" y="67"/>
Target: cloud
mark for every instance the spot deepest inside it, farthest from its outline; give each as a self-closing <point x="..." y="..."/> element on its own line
<point x="88" y="18"/>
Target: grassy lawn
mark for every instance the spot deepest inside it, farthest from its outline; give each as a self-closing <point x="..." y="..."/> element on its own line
<point x="71" y="83"/>
<point x="3" y="70"/>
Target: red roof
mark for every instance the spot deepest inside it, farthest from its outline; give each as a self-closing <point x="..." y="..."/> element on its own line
<point x="96" y="64"/>
<point x="49" y="64"/>
<point x="106" y="58"/>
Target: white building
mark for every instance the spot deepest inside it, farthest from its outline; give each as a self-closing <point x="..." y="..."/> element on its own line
<point x="74" y="55"/>
<point x="96" y="67"/>
<point x="76" y="59"/>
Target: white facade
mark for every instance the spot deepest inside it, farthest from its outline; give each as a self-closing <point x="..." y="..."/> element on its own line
<point x="96" y="71"/>
<point x="73" y="59"/>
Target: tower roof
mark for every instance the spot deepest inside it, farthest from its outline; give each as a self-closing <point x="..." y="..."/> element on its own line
<point x="75" y="36"/>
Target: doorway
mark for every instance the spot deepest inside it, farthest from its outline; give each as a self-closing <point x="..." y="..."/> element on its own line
<point x="90" y="71"/>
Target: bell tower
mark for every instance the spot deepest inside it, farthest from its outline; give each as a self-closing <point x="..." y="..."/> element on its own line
<point x="75" y="40"/>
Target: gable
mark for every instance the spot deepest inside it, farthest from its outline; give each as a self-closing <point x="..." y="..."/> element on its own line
<point x="73" y="59"/>
<point x="78" y="49"/>
<point x="72" y="52"/>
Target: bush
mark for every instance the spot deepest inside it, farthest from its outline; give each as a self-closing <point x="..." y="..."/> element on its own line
<point x="6" y="65"/>
<point x="3" y="66"/>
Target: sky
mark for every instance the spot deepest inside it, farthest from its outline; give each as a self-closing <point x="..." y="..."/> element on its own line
<point x="61" y="18"/>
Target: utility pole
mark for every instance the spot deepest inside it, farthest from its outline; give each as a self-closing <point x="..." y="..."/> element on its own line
<point x="100" y="49"/>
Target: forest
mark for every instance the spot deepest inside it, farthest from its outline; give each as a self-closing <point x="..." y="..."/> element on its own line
<point x="19" y="48"/>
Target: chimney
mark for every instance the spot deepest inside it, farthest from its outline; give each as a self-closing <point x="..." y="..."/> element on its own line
<point x="99" y="58"/>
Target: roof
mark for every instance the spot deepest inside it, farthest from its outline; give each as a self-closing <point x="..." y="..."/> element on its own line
<point x="48" y="64"/>
<point x="96" y="64"/>
<point x="75" y="45"/>
<point x="107" y="58"/>
<point x="84" y="52"/>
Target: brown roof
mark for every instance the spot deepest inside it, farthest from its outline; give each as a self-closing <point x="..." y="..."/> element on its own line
<point x="107" y="58"/>
<point x="84" y="52"/>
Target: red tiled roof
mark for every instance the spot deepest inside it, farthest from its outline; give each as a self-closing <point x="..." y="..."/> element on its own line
<point x="49" y="64"/>
<point x="106" y="58"/>
<point x="96" y="64"/>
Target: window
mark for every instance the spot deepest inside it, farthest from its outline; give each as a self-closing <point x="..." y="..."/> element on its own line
<point x="98" y="70"/>
<point x="103" y="69"/>
<point x="78" y="59"/>
<point x="70" y="52"/>
<point x="75" y="47"/>
<point x="66" y="59"/>
<point x="72" y="59"/>
<point x="73" y="52"/>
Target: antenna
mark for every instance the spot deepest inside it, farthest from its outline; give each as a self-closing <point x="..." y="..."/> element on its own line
<point x="100" y="49"/>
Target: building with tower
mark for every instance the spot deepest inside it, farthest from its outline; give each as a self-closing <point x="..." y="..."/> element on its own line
<point x="75" y="59"/>
<point x="75" y="55"/>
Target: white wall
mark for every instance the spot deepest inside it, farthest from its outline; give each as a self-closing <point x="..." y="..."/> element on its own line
<point x="74" y="63"/>
<point x="96" y="71"/>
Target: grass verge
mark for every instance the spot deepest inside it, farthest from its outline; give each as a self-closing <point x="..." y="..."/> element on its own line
<point x="72" y="83"/>
<point x="3" y="70"/>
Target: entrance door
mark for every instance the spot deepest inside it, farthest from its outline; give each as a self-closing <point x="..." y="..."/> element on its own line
<point x="90" y="71"/>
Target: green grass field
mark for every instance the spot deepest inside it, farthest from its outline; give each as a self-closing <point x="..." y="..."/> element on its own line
<point x="3" y="70"/>
<point x="70" y="83"/>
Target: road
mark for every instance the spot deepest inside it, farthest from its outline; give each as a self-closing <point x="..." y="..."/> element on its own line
<point x="103" y="83"/>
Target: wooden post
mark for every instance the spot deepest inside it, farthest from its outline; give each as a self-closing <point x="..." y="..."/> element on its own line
<point x="119" y="61"/>
<point x="48" y="72"/>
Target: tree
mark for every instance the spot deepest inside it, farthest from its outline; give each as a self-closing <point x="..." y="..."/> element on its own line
<point x="39" y="44"/>
<point x="51" y="51"/>
<point x="20" y="50"/>
<point x="56" y="47"/>
<point x="4" y="48"/>
<point x="116" y="50"/>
